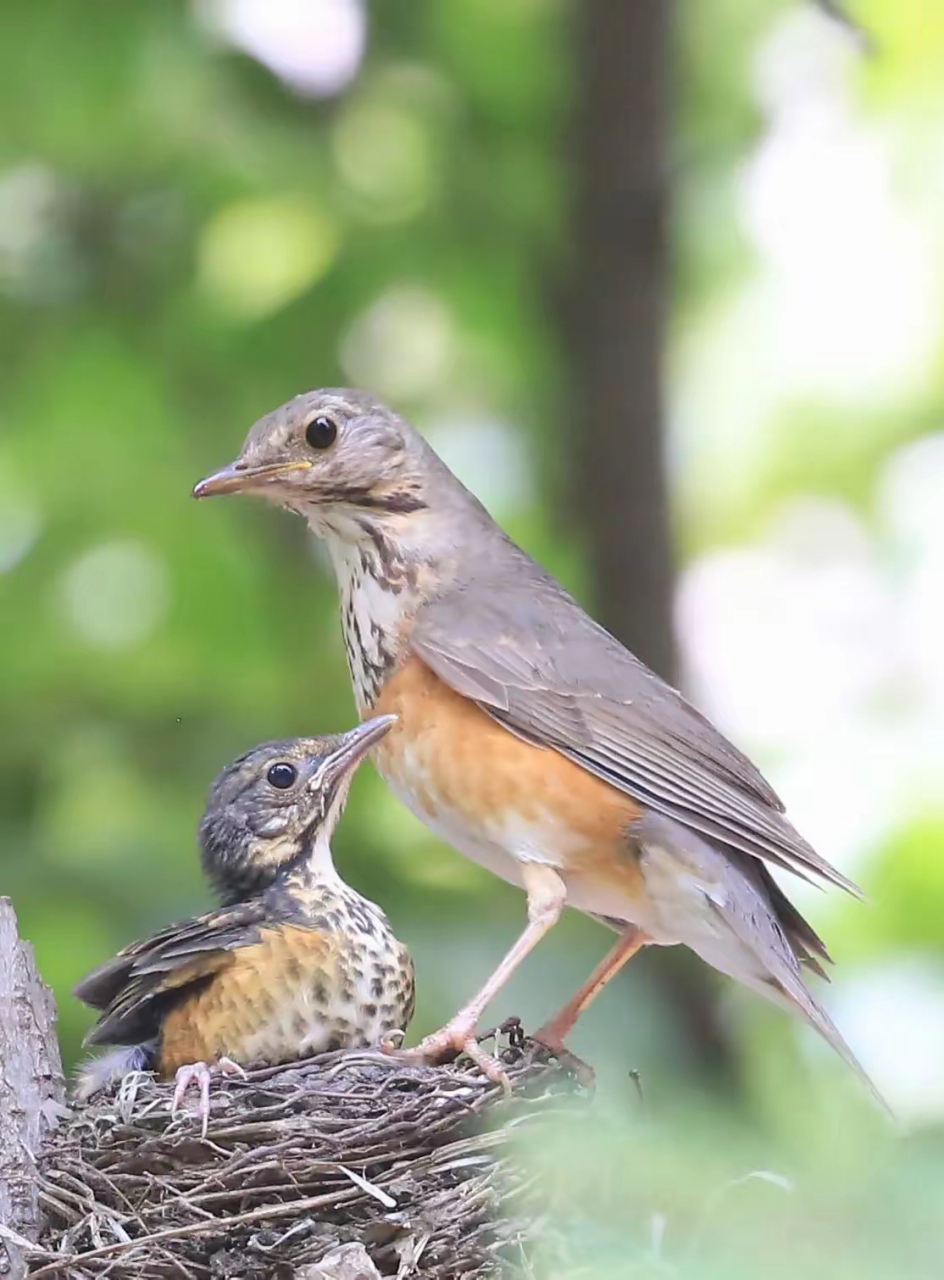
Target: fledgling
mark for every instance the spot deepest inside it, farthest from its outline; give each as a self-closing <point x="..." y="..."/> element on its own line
<point x="293" y="963"/>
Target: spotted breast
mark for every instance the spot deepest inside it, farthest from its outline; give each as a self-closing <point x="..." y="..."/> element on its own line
<point x="330" y="974"/>
<point x="380" y="589"/>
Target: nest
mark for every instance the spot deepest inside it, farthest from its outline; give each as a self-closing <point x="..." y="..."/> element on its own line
<point x="350" y="1165"/>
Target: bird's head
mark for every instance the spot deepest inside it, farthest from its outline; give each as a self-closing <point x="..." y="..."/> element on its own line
<point x="277" y="806"/>
<point x="335" y="456"/>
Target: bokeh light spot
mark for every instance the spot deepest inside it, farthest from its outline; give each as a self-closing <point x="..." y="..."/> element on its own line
<point x="383" y="154"/>
<point x="20" y="523"/>
<point x="257" y="255"/>
<point x="116" y="594"/>
<point x="32" y="259"/>
<point x="402" y="345"/>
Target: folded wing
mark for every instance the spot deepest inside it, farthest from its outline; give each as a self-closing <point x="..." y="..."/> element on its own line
<point x="136" y="988"/>
<point x="540" y="666"/>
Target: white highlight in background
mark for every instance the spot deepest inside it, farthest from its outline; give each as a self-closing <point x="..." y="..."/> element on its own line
<point x="316" y="46"/>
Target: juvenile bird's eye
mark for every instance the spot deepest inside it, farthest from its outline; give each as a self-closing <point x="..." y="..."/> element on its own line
<point x="321" y="432"/>
<point x="282" y="775"/>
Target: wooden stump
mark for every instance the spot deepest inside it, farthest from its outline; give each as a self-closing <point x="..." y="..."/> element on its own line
<point x="32" y="1089"/>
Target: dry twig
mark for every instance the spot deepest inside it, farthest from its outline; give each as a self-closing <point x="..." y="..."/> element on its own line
<point x="413" y="1163"/>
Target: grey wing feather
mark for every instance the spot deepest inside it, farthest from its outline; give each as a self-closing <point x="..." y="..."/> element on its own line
<point x="540" y="666"/>
<point x="135" y="988"/>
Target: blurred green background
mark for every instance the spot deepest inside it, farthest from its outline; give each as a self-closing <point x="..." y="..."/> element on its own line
<point x="205" y="209"/>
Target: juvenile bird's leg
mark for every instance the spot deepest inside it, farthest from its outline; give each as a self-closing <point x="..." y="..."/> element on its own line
<point x="556" y="1029"/>
<point x="200" y="1074"/>
<point x="546" y="897"/>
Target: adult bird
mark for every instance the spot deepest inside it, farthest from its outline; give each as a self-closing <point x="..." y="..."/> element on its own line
<point x="528" y="737"/>
<point x="293" y="963"/>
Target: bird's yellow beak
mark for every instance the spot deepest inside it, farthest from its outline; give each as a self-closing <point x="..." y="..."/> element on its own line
<point x="239" y="476"/>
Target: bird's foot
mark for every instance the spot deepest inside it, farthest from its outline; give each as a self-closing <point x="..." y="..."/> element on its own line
<point x="228" y="1067"/>
<point x="456" y="1037"/>
<point x="197" y="1073"/>
<point x="200" y="1074"/>
<point x="549" y="1038"/>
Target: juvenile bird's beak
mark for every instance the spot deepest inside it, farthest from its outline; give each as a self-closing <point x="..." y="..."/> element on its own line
<point x="239" y="476"/>
<point x="354" y="747"/>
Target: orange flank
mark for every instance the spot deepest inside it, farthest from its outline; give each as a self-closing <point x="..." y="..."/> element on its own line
<point x="458" y="762"/>
<point x="260" y="996"/>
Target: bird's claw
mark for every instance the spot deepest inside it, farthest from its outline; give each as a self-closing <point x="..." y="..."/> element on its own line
<point x="230" y="1068"/>
<point x="582" y="1072"/>
<point x="200" y="1074"/>
<point x="448" y="1043"/>
<point x="197" y="1073"/>
<point x="487" y="1063"/>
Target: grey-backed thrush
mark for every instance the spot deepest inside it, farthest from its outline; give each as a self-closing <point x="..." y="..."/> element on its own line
<point x="527" y="736"/>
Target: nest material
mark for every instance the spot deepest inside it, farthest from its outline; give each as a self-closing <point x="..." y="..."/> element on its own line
<point x="303" y="1169"/>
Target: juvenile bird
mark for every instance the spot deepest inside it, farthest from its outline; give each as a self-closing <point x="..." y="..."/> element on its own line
<point x="527" y="736"/>
<point x="293" y="963"/>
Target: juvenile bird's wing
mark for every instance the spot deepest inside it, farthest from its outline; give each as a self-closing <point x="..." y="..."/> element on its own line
<point x="135" y="989"/>
<point x="529" y="655"/>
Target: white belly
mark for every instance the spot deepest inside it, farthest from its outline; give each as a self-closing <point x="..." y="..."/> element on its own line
<point x="453" y="829"/>
<point x="517" y="843"/>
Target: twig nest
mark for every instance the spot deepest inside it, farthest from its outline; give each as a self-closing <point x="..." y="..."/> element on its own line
<point x="348" y="1166"/>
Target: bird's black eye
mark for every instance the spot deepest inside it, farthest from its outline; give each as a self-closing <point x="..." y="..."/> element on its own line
<point x="321" y="432"/>
<point x="282" y="776"/>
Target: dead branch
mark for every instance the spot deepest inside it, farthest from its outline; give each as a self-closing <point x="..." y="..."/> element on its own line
<point x="31" y="1089"/>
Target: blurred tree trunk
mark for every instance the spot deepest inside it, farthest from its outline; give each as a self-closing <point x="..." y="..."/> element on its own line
<point x="613" y="325"/>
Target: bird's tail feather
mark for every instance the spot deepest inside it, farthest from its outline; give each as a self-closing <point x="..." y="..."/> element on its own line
<point x="731" y="911"/>
<point x="789" y="991"/>
<point x="106" y="1069"/>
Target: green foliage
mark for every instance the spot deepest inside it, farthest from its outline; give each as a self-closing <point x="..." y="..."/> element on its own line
<point x="699" y="1198"/>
